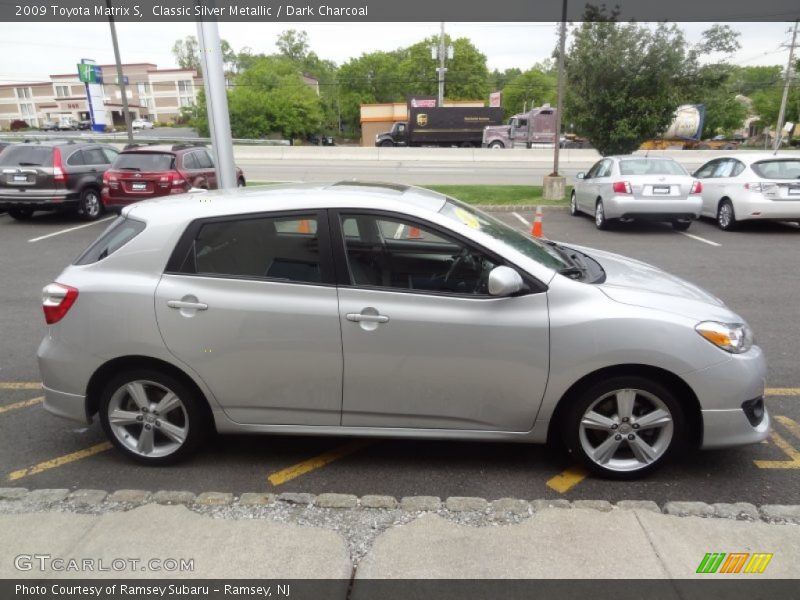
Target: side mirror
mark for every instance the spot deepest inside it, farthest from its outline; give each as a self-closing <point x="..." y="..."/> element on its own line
<point x="581" y="175"/>
<point x="504" y="281"/>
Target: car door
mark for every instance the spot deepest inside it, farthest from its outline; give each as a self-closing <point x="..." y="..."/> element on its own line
<point x="424" y="344"/>
<point x="584" y="187"/>
<point x="249" y="304"/>
<point x="96" y="162"/>
<point x="603" y="182"/>
<point x="207" y="167"/>
<point x="709" y="194"/>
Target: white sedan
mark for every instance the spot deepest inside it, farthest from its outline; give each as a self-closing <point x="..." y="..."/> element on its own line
<point x="141" y="124"/>
<point x="751" y="186"/>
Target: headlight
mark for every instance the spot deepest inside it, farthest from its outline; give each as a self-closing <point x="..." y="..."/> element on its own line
<point x="731" y="337"/>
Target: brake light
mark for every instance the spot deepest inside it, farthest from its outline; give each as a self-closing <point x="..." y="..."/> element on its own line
<point x="58" y="167"/>
<point x="622" y="187"/>
<point x="173" y="180"/>
<point x="111" y="180"/>
<point x="753" y="187"/>
<point x="57" y="299"/>
<point x="697" y="188"/>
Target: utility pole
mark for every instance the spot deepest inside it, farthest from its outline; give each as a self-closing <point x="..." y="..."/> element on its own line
<point x="786" y="85"/>
<point x="554" y="184"/>
<point x="219" y="122"/>
<point x="120" y="77"/>
<point x="441" y="70"/>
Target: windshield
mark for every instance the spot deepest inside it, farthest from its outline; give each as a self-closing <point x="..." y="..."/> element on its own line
<point x="496" y="229"/>
<point x="785" y="168"/>
<point x="650" y="166"/>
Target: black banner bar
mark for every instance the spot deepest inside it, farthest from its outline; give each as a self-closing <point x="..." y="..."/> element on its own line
<point x="365" y="11"/>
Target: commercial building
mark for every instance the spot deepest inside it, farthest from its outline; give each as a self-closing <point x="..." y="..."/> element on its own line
<point x="153" y="93"/>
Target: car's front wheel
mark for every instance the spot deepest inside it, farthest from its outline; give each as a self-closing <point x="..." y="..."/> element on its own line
<point x="497" y="145"/>
<point x="625" y="427"/>
<point x="152" y="417"/>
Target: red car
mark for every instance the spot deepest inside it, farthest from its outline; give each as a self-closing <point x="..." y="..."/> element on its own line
<point x="143" y="172"/>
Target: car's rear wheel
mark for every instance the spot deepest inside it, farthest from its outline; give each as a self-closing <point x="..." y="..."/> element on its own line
<point x="681" y="225"/>
<point x="573" y="205"/>
<point x="726" y="216"/>
<point x="625" y="427"/>
<point x="90" y="206"/>
<point x="600" y="220"/>
<point x="152" y="417"/>
<point x="20" y="214"/>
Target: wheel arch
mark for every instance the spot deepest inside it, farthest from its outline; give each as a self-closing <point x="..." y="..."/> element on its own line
<point x="106" y="371"/>
<point x="683" y="394"/>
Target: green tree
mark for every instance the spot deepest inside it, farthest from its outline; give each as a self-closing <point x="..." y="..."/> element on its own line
<point x="187" y="54"/>
<point x="531" y="88"/>
<point x="293" y="44"/>
<point x="625" y="81"/>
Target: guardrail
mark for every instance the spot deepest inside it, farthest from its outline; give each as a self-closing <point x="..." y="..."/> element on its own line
<point x="122" y="138"/>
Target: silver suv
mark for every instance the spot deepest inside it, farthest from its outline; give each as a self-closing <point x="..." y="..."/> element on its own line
<point x="383" y="310"/>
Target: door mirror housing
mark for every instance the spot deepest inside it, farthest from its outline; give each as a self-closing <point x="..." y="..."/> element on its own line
<point x="504" y="281"/>
<point x="581" y="175"/>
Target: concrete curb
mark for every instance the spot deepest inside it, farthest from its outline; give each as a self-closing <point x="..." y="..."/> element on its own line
<point x="503" y="509"/>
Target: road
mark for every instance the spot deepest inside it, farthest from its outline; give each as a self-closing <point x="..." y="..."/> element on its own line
<point x="753" y="270"/>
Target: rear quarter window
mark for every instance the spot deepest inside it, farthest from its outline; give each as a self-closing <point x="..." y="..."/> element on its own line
<point x="119" y="233"/>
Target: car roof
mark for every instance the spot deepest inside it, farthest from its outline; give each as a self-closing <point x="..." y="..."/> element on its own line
<point x="751" y="157"/>
<point x="162" y="148"/>
<point x="282" y="197"/>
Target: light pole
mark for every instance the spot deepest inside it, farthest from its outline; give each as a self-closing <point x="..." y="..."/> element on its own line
<point x="441" y="70"/>
<point x="786" y="86"/>
<point x="554" y="184"/>
<point x="120" y="77"/>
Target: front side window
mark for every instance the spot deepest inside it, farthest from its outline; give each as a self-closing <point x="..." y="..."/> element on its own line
<point x="393" y="253"/>
<point x="594" y="170"/>
<point x="94" y="156"/>
<point x="283" y="248"/>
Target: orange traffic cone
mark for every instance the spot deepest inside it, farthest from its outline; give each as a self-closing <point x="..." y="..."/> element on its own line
<point x="413" y="233"/>
<point x="303" y="226"/>
<point x="536" y="230"/>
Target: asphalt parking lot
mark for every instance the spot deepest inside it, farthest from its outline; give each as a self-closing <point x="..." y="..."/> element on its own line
<point x="754" y="270"/>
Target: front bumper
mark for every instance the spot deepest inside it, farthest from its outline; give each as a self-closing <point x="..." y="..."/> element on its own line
<point x="626" y="206"/>
<point x="724" y="428"/>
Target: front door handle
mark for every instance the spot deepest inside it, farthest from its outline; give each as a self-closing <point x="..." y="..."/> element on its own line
<point x="367" y="318"/>
<point x="189" y="305"/>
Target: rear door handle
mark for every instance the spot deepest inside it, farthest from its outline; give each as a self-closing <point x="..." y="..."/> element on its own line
<point x="361" y="318"/>
<point x="190" y="305"/>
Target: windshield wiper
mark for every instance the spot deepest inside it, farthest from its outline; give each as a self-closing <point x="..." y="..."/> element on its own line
<point x="573" y="272"/>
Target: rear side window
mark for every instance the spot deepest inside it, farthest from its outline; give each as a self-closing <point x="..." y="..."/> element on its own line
<point x="284" y="248"/>
<point x="94" y="156"/>
<point x="27" y="156"/>
<point x="788" y="168"/>
<point x="119" y="233"/>
<point x="145" y="161"/>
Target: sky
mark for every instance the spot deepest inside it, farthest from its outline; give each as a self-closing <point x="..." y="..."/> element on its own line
<point x="32" y="51"/>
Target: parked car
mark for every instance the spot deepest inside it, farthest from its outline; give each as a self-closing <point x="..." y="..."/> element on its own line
<point x="751" y="186"/>
<point x="84" y="124"/>
<point x="49" y="126"/>
<point x="141" y="124"/>
<point x="387" y="311"/>
<point x="623" y="188"/>
<point x="141" y="172"/>
<point x="53" y="175"/>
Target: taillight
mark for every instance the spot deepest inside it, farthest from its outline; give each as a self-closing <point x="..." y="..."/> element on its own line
<point x="57" y="299"/>
<point x="697" y="188"/>
<point x="173" y="180"/>
<point x="58" y="167"/>
<point x="111" y="180"/>
<point x="622" y="187"/>
<point x="765" y="187"/>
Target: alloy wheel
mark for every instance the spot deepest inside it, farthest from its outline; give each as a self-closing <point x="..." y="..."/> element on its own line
<point x="148" y="418"/>
<point x="725" y="218"/>
<point x="91" y="205"/>
<point x="599" y="216"/>
<point x="626" y="430"/>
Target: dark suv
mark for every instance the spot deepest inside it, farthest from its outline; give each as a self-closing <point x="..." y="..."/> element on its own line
<point x="143" y="172"/>
<point x="52" y="175"/>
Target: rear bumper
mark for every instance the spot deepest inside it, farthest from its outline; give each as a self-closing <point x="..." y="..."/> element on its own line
<point x="35" y="200"/>
<point x="755" y="207"/>
<point x="68" y="406"/>
<point x="662" y="209"/>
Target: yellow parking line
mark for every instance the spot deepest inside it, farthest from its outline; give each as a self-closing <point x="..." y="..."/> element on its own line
<point x="59" y="461"/>
<point x="20" y="385"/>
<point x="792" y="426"/>
<point x="563" y="482"/>
<point x="788" y="450"/>
<point x="22" y="404"/>
<point x="782" y="392"/>
<point x="289" y="473"/>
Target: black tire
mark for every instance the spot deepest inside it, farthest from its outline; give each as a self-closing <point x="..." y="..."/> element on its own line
<point x="573" y="205"/>
<point x="726" y="216"/>
<point x="672" y="444"/>
<point x="241" y="182"/>
<point x="681" y="225"/>
<point x="20" y="214"/>
<point x="90" y="206"/>
<point x="193" y="413"/>
<point x="386" y="144"/>
<point x="600" y="220"/>
<point x="497" y="145"/>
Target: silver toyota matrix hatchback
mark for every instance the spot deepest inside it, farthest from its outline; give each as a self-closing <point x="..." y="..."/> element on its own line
<point x="384" y="310"/>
